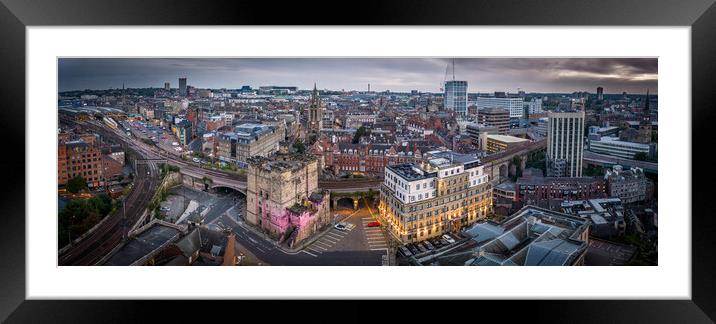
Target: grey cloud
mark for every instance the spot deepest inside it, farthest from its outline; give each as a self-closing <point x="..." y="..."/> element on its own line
<point x="396" y="74"/>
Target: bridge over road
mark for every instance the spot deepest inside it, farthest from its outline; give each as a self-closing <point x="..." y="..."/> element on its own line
<point x="608" y="161"/>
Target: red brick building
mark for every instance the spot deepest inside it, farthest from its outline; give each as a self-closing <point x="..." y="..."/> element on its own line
<point x="80" y="157"/>
<point x="368" y="159"/>
<point x="111" y="167"/>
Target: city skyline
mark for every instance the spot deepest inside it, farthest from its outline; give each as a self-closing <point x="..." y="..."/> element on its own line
<point x="558" y="75"/>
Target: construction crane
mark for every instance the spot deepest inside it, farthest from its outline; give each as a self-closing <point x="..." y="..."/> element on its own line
<point x="447" y="71"/>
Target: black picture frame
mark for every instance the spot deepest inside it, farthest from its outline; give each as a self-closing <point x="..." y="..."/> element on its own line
<point x="15" y="15"/>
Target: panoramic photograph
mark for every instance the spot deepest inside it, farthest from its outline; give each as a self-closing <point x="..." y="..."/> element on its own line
<point x="357" y="161"/>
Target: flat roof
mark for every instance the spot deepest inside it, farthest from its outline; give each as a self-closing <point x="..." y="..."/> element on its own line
<point x="506" y="138"/>
<point x="410" y="172"/>
<point x="143" y="244"/>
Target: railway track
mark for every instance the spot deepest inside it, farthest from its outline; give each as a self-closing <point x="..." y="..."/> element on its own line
<point x="105" y="238"/>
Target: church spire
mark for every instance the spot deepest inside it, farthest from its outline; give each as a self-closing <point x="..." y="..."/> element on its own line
<point x="647" y="113"/>
<point x="314" y="96"/>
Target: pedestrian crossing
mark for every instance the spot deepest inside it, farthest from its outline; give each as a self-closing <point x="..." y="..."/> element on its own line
<point x="328" y="240"/>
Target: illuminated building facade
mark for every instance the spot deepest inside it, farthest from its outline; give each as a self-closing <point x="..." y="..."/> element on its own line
<point x="426" y="200"/>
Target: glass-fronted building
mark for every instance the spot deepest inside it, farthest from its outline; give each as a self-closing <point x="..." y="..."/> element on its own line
<point x="456" y="96"/>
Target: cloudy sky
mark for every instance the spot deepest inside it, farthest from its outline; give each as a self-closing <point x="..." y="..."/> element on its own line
<point x="633" y="75"/>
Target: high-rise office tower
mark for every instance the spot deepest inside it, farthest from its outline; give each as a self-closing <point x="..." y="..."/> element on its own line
<point x="565" y="144"/>
<point x="167" y="86"/>
<point x="182" y="87"/>
<point x="456" y="96"/>
<point x="600" y="93"/>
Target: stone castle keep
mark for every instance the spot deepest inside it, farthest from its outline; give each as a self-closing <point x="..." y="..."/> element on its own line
<point x="283" y="198"/>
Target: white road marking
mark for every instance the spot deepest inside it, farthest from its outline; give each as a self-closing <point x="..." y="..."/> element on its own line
<point x="334" y="236"/>
<point x="329" y="239"/>
<point x="312" y="249"/>
<point x="309" y="253"/>
<point x="319" y="245"/>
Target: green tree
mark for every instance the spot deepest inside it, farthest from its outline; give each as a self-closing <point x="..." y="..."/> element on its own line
<point x="299" y="146"/>
<point x="76" y="184"/>
<point x="362" y="131"/>
<point x="80" y="215"/>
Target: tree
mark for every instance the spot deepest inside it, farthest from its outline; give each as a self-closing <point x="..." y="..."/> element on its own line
<point x="362" y="131"/>
<point x="80" y="215"/>
<point x="76" y="184"/>
<point x="299" y="146"/>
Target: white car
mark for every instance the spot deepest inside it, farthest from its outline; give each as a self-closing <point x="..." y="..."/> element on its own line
<point x="175" y="144"/>
<point x="196" y="160"/>
<point x="449" y="239"/>
<point x="340" y="226"/>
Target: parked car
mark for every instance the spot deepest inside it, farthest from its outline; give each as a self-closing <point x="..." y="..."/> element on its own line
<point x="374" y="224"/>
<point x="340" y="227"/>
<point x="404" y="251"/>
<point x="196" y="160"/>
<point x="422" y="247"/>
<point x="436" y="242"/>
<point x="444" y="242"/>
<point x="413" y="249"/>
<point x="449" y="239"/>
<point x="166" y="209"/>
<point x="429" y="245"/>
